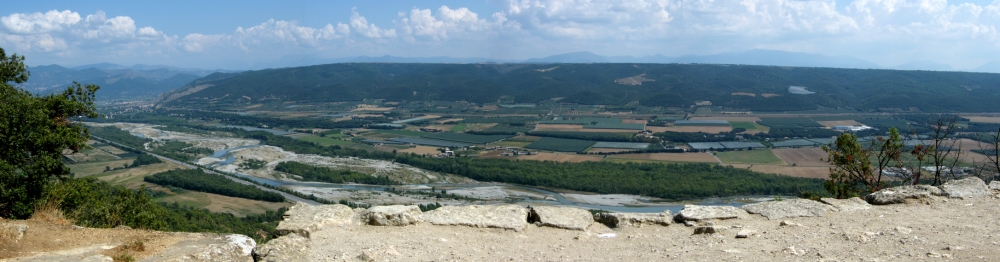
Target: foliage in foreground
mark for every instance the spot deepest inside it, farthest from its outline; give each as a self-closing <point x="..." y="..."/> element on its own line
<point x="197" y="180"/>
<point x="34" y="130"/>
<point x="95" y="203"/>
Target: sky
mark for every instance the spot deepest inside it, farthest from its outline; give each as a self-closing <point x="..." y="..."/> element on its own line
<point x="249" y="33"/>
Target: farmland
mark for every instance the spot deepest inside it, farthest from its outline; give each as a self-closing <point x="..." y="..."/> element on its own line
<point x="669" y="157"/>
<point x="560" y="144"/>
<point x="324" y="141"/>
<point x="466" y="138"/>
<point x="691" y="129"/>
<point x="759" y="156"/>
<point x="810" y="156"/>
<point x="561" y="157"/>
<point x="983" y="119"/>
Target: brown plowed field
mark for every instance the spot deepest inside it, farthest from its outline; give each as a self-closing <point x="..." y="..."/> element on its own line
<point x="672" y="157"/>
<point x="983" y="119"/>
<point x="839" y="123"/>
<point x="809" y="156"/>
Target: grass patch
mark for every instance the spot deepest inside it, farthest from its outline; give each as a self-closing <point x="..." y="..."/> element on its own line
<point x="507" y="143"/>
<point x="400" y="132"/>
<point x="744" y="125"/>
<point x="560" y="144"/>
<point x="93" y="168"/>
<point x="458" y="128"/>
<point x="759" y="156"/>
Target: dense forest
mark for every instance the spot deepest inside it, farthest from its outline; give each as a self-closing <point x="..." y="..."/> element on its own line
<point x="145" y="159"/>
<point x="194" y="179"/>
<point x="673" y="85"/>
<point x="325" y="174"/>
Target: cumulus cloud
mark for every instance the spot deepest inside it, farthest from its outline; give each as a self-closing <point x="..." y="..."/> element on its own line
<point x="39" y="23"/>
<point x="422" y="24"/>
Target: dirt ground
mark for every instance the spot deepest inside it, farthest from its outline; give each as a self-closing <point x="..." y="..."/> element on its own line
<point x="983" y="119"/>
<point x="561" y="157"/>
<point x="634" y="121"/>
<point x="691" y="129"/>
<point x="729" y="118"/>
<point x="831" y="124"/>
<point x="809" y="156"/>
<point x="430" y="150"/>
<point x="795" y="171"/>
<point x="47" y="236"/>
<point x="958" y="230"/>
<point x="672" y="157"/>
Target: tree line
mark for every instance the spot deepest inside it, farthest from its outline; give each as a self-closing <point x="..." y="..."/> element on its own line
<point x="329" y="175"/>
<point x="197" y="180"/>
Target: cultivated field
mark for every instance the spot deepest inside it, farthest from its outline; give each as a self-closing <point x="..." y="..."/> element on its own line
<point x="577" y="128"/>
<point x="831" y="124"/>
<point x="796" y="171"/>
<point x="91" y="168"/>
<point x="691" y="129"/>
<point x="324" y="141"/>
<point x="810" y="156"/>
<point x="560" y="144"/>
<point x="634" y="121"/>
<point x="729" y="118"/>
<point x="132" y="177"/>
<point x="219" y="203"/>
<point x="420" y="150"/>
<point x="561" y="157"/>
<point x="671" y="157"/>
<point x="607" y="150"/>
<point x="983" y="119"/>
<point x="759" y="156"/>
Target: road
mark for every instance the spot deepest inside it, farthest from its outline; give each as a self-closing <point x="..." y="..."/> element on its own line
<point x="288" y="197"/>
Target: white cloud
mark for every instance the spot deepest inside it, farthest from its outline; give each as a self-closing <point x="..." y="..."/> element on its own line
<point x="361" y="26"/>
<point x="422" y="24"/>
<point x="38" y="23"/>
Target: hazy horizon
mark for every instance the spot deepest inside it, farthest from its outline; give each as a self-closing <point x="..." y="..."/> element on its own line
<point x="251" y="34"/>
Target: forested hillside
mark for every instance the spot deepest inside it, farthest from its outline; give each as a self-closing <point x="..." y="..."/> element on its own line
<point x="671" y="85"/>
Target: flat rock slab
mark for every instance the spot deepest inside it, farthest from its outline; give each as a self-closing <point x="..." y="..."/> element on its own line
<point x="968" y="187"/>
<point x="500" y="216"/>
<point x="615" y="220"/>
<point x="397" y="215"/>
<point x="698" y="213"/>
<point x="845" y="205"/>
<point x="789" y="208"/>
<point x="899" y="195"/>
<point x="303" y="219"/>
<point x="561" y="217"/>
<point x="208" y="247"/>
<point x="291" y="247"/>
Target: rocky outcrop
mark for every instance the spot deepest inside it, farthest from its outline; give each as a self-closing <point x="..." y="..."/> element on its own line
<point x="698" y="213"/>
<point x="561" y="217"/>
<point x="292" y="247"/>
<point x="965" y="188"/>
<point x="616" y="220"/>
<point x="397" y="215"/>
<point x="503" y="216"/>
<point x="995" y="185"/>
<point x="14" y="231"/>
<point x="789" y="208"/>
<point x="208" y="247"/>
<point x="901" y="194"/>
<point x="302" y="218"/>
<point x="846" y="205"/>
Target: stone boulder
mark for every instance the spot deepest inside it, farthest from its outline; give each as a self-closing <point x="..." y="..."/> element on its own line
<point x="397" y="215"/>
<point x="698" y="213"/>
<point x="789" y="208"/>
<point x="616" y="220"/>
<point x="845" y="205"/>
<point x="709" y="229"/>
<point x="208" y="247"/>
<point x="968" y="187"/>
<point x="561" y="217"/>
<point x="291" y="247"/>
<point x="15" y="231"/>
<point x="303" y="219"/>
<point x="498" y="216"/>
<point x="900" y="194"/>
<point x="995" y="185"/>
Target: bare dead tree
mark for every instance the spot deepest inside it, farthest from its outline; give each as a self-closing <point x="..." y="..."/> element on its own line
<point x="942" y="148"/>
<point x="990" y="146"/>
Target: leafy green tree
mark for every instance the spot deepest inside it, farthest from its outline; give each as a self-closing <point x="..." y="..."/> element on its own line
<point x="34" y="130"/>
<point x="854" y="173"/>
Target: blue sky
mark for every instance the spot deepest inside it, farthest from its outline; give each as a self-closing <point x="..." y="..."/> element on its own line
<point x="247" y="34"/>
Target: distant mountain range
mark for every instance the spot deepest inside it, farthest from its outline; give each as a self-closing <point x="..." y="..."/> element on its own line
<point x="116" y="81"/>
<point x="750" y="57"/>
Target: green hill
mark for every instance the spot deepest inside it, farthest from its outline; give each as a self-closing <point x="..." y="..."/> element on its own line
<point x="672" y="85"/>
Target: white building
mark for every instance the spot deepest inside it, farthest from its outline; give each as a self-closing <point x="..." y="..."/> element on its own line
<point x="852" y="128"/>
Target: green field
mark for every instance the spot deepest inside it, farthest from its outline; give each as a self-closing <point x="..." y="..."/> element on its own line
<point x="466" y="138"/>
<point x="325" y="141"/>
<point x="458" y="128"/>
<point x="400" y="132"/>
<point x="759" y="156"/>
<point x="744" y="125"/>
<point x="561" y="144"/>
<point x="511" y="143"/>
